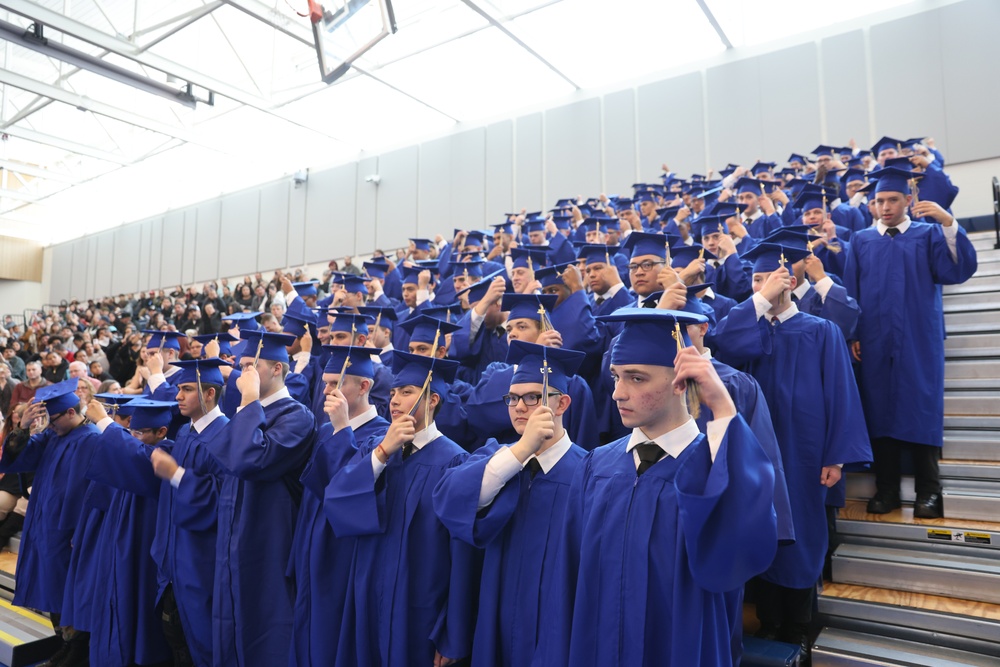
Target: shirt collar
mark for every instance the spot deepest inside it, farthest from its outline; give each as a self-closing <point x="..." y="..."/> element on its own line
<point x="902" y="227"/>
<point x="709" y="293"/>
<point x="362" y="419"/>
<point x="801" y="290"/>
<point x="206" y="420"/>
<point x="425" y="436"/>
<point x="673" y="442"/>
<point x="275" y="397"/>
<point x="612" y="291"/>
<point x="171" y="370"/>
<point x="756" y="214"/>
<point x="785" y="315"/>
<point x="551" y="456"/>
<point x="707" y="353"/>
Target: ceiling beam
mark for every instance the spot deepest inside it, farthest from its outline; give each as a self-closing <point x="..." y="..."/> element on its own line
<point x="715" y="24"/>
<point x="66" y="145"/>
<point x="37" y="172"/>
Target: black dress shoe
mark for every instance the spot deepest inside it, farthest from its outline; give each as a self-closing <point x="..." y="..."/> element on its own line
<point x="883" y="503"/>
<point x="768" y="632"/>
<point x="57" y="657"/>
<point x="928" y="506"/>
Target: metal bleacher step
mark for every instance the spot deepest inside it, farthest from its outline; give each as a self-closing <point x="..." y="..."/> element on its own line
<point x="981" y="322"/>
<point x="967" y="422"/>
<point x="959" y="370"/>
<point x="845" y="648"/>
<point x="957" y="624"/>
<point x="985" y="340"/>
<point x="982" y="505"/>
<point x="26" y="637"/>
<point x="979" y="283"/>
<point x="954" y="353"/>
<point x="14" y="545"/>
<point x="972" y="445"/>
<point x="965" y="303"/>
<point x="900" y="528"/>
<point x="973" y="478"/>
<point x="958" y="575"/>
<point x="972" y="403"/>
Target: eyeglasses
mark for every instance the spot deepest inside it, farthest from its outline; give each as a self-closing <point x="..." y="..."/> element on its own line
<point x="139" y="432"/>
<point x="530" y="400"/>
<point x="645" y="266"/>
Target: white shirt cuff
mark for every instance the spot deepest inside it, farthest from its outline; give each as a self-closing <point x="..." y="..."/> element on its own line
<point x="377" y="466"/>
<point x="716" y="431"/>
<point x="175" y="481"/>
<point x="302" y="360"/>
<point x="103" y="425"/>
<point x="951" y="238"/>
<point x="423" y="296"/>
<point x="761" y="305"/>
<point x="823" y="287"/>
<point x="155" y="380"/>
<point x="475" y="323"/>
<point x="291" y="296"/>
<point x="502" y="467"/>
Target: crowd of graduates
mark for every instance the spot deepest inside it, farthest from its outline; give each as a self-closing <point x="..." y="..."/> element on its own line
<point x="578" y="439"/>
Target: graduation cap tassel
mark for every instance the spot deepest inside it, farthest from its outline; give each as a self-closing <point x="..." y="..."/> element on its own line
<point x="260" y="346"/>
<point x="201" y="395"/>
<point x="343" y="371"/>
<point x="693" y="395"/>
<point x="378" y="319"/>
<point x="782" y="262"/>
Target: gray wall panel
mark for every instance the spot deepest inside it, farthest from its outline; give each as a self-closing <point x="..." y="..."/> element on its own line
<point x="499" y="171"/>
<point x="272" y="235"/>
<point x="105" y="263"/>
<point x="968" y="35"/>
<point x="791" y="102"/>
<point x="367" y="205"/>
<point x="238" y="223"/>
<point x="172" y="247"/>
<point x="156" y="281"/>
<point x="671" y="126"/>
<point x="81" y="270"/>
<point x="572" y="151"/>
<point x="909" y="92"/>
<point x="125" y="277"/>
<point x="145" y="240"/>
<point x="528" y="160"/>
<point x="296" y="226"/>
<point x="734" y="113"/>
<point x="434" y="191"/>
<point x="190" y="240"/>
<point x="62" y="272"/>
<point x="330" y="208"/>
<point x="468" y="182"/>
<point x="619" y="136"/>
<point x="845" y="90"/>
<point x="206" y="248"/>
<point x="397" y="197"/>
<point x="91" y="249"/>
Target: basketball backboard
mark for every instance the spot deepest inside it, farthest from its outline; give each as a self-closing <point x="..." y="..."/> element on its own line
<point x="346" y="29"/>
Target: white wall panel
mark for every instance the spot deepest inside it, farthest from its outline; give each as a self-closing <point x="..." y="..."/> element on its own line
<point x="81" y="270"/>
<point x="206" y="247"/>
<point x="367" y="204"/>
<point x="499" y="171"/>
<point x="734" y="113"/>
<point x="468" y="181"/>
<point x="330" y="212"/>
<point x="272" y="234"/>
<point x="296" y="226"/>
<point x="671" y="127"/>
<point x="189" y="240"/>
<point x="145" y="241"/>
<point x="528" y="161"/>
<point x="434" y="191"/>
<point x="172" y="249"/>
<point x="238" y="222"/>
<point x="105" y="263"/>
<point x="91" y="249"/>
<point x="397" y="197"/>
<point x="620" y="142"/>
<point x="156" y="280"/>
<point x="845" y="91"/>
<point x="125" y="276"/>
<point x="790" y="105"/>
<point x="572" y="151"/>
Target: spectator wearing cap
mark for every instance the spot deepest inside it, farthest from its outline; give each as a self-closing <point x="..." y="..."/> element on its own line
<point x="15" y="362"/>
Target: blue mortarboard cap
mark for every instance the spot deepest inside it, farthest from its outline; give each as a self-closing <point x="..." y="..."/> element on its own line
<point x="361" y="360"/>
<point x="854" y="163"/>
<point x="708" y="224"/>
<point x="697" y="177"/>
<point x="449" y="312"/>
<point x="421" y="244"/>
<point x="58" y="397"/>
<point x="750" y="185"/>
<point x="596" y="253"/>
<point x="646" y="195"/>
<point x="853" y="174"/>
<point x="534" y="226"/>
<point x="694" y="304"/>
<point x="531" y="358"/>
<point x="477" y="291"/>
<point x="423" y="329"/>
<point x="726" y="171"/>
<point x="245" y="321"/>
<point x="802" y="159"/>
<point x="786" y="173"/>
<point x="811" y="198"/>
<point x="350" y="322"/>
<point x="411" y="370"/>
<point x="762" y="168"/>
<point x="473" y="269"/>
<point x="206" y="369"/>
<point x="796" y="185"/>
<point x="566" y="203"/>
<point x="529" y="257"/>
<point x="886" y="142"/>
<point x="115" y="401"/>
<point x="503" y="228"/>
<point x="551" y="275"/>
<point x="337" y="277"/>
<point x="647" y="337"/>
<point x="375" y="269"/>
<point x="147" y="413"/>
<point x="893" y="179"/>
<point x="910" y="143"/>
<point x="297" y="323"/>
<point x="354" y="284"/>
<point x="475" y="238"/>
<point x="682" y="254"/>
<point x="624" y="203"/>
<point x="525" y="306"/>
<point x="429" y="264"/>
<point x="725" y="208"/>
<point x="901" y="163"/>
<point x="272" y="345"/>
<point x="594" y="224"/>
<point x="225" y="341"/>
<point x="643" y="243"/>
<point x="305" y="289"/>
<point x="411" y="274"/>
<point x="794" y="236"/>
<point x="767" y="257"/>
<point x="864" y="154"/>
<point x="384" y="315"/>
<point x="823" y="150"/>
<point x="563" y="221"/>
<point x="668" y="213"/>
<point x="168" y="339"/>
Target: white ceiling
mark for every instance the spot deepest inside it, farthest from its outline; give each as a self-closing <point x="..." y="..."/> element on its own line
<point x="108" y="153"/>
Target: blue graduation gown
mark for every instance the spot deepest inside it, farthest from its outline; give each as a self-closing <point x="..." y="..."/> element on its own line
<point x="475" y="354"/>
<point x="127" y="629"/>
<point x="574" y="320"/>
<point x="733" y="278"/>
<point x="231" y="395"/>
<point x="393" y="286"/>
<point x="320" y="561"/>
<point x="839" y="307"/>
<point x="86" y="573"/>
<point x="53" y="513"/>
<point x="517" y="530"/>
<point x="491" y="417"/>
<point x="621" y="299"/>
<point x="186" y="530"/>
<point x="896" y="282"/>
<point x="412" y="585"/>
<point x="805" y="372"/>
<point x="763" y="225"/>
<point x="263" y="451"/>
<point x="562" y="250"/>
<point x="167" y="391"/>
<point x="646" y="562"/>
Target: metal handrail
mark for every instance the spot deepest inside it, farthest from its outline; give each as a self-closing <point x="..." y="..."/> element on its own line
<point x="996" y="211"/>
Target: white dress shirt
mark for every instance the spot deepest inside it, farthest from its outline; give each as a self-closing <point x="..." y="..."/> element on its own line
<point x="504" y="466"/>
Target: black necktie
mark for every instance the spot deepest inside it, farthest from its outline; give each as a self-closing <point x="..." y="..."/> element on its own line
<point x="649" y="453"/>
<point x="599" y="300"/>
<point x="408" y="449"/>
<point x="534" y="467"/>
<point x="892" y="231"/>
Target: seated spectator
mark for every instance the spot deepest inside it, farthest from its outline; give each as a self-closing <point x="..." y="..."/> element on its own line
<point x="16" y="363"/>
<point x="7" y="384"/>
<point x="97" y="371"/>
<point x="54" y="367"/>
<point x="78" y="369"/>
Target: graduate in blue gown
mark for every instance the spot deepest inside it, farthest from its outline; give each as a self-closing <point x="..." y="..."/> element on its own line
<point x="803" y="367"/>
<point x="161" y="385"/>
<point x="320" y="561"/>
<point x="757" y="222"/>
<point x="127" y="628"/>
<point x="220" y="345"/>
<point x="663" y="523"/>
<point x="895" y="271"/>
<point x="607" y="291"/>
<point x="510" y="500"/>
<point x="348" y="329"/>
<point x="263" y="450"/>
<point x="411" y="593"/>
<point x="304" y="367"/>
<point x="729" y="275"/>
<point x="417" y="285"/>
<point x="480" y="339"/>
<point x="57" y="455"/>
<point x="186" y="519"/>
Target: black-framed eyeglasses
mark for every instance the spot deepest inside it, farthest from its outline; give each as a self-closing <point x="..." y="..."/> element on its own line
<point x="530" y="400"/>
<point x="645" y="266"/>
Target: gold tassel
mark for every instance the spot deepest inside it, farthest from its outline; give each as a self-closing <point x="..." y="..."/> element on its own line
<point x="693" y="396"/>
